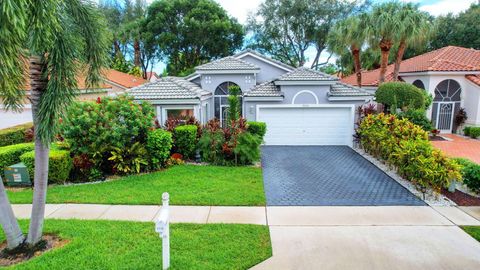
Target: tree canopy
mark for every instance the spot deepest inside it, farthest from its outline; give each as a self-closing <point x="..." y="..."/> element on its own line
<point x="189" y="33"/>
<point x="286" y="29"/>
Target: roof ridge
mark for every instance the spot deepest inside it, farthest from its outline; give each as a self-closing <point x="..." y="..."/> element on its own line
<point x="263" y="56"/>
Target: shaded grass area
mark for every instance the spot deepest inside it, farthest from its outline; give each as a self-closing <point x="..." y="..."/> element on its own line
<point x="135" y="245"/>
<point x="474" y="231"/>
<point x="187" y="185"/>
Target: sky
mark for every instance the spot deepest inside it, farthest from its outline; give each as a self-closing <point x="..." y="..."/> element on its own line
<point x="241" y="8"/>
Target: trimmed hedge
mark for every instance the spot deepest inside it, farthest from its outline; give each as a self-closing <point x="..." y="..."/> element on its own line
<point x="470" y="173"/>
<point x="257" y="128"/>
<point x="59" y="166"/>
<point x="10" y="155"/>
<point x="14" y="135"/>
<point x="418" y="117"/>
<point x="405" y="146"/>
<point x="159" y="145"/>
<point x="472" y="132"/>
<point x="401" y="95"/>
<point x="185" y="140"/>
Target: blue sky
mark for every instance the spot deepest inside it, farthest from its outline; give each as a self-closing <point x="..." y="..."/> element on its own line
<point x="241" y="8"/>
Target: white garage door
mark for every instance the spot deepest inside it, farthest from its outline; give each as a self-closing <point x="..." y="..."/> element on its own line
<point x="307" y="124"/>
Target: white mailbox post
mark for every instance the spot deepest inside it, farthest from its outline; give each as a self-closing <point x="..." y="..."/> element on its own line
<point x="162" y="227"/>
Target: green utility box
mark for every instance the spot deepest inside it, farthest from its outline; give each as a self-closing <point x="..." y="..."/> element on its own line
<point x="17" y="175"/>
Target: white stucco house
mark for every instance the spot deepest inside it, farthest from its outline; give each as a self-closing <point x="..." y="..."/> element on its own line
<point x="451" y="74"/>
<point x="300" y="106"/>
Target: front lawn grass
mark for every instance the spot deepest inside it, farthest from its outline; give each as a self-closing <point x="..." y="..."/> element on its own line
<point x="474" y="231"/>
<point x="187" y="185"/>
<point x="135" y="245"/>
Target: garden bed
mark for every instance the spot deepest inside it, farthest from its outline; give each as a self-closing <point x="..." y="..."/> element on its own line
<point x="135" y="245"/>
<point x="461" y="198"/>
<point x="187" y="185"/>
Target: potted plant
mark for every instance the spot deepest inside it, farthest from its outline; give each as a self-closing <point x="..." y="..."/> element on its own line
<point x="435" y="132"/>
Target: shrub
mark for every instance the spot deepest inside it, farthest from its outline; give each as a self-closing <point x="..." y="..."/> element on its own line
<point x="185" y="140"/>
<point x="257" y="128"/>
<point x="473" y="132"/>
<point x="405" y="146"/>
<point x="159" y="145"/>
<point x="418" y="117"/>
<point x="460" y="118"/>
<point x="470" y="173"/>
<point x="211" y="143"/>
<point x="234" y="104"/>
<point x="466" y="131"/>
<point x="59" y="166"/>
<point x="247" y="149"/>
<point x="10" y="155"/>
<point x="15" y="135"/>
<point x="130" y="159"/>
<point x="93" y="128"/>
<point x="400" y="95"/>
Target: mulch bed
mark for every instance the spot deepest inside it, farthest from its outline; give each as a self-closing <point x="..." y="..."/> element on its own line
<point x="51" y="242"/>
<point x="436" y="138"/>
<point x="462" y="199"/>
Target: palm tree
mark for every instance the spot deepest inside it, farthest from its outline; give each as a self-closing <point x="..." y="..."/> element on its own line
<point x="350" y="34"/>
<point x="415" y="29"/>
<point x="61" y="38"/>
<point x="383" y="24"/>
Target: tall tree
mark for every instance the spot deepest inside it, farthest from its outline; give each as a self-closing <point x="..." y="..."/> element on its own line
<point x="415" y="29"/>
<point x="189" y="33"/>
<point x="382" y="26"/>
<point x="459" y="30"/>
<point x="61" y="39"/>
<point x="286" y="29"/>
<point x="349" y="34"/>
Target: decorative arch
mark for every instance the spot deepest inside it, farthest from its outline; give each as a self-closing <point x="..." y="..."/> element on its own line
<point x="220" y="99"/>
<point x="419" y="84"/>
<point x="448" y="90"/>
<point x="305" y="92"/>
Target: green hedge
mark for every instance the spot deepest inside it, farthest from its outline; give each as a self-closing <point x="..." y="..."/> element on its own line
<point x="10" y="155"/>
<point x="159" y="145"/>
<point x="59" y="166"/>
<point x="470" y="173"/>
<point x="473" y="132"/>
<point x="419" y="118"/>
<point x="405" y="146"/>
<point x="14" y="135"/>
<point x="185" y="140"/>
<point x="257" y="128"/>
<point x="401" y="95"/>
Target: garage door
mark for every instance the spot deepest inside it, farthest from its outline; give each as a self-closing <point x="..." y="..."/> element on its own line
<point x="307" y="124"/>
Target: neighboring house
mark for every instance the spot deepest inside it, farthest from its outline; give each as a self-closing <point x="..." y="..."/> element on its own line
<point x="152" y="76"/>
<point x="300" y="106"/>
<point x="451" y="74"/>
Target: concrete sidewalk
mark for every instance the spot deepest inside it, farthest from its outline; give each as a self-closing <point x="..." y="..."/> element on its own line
<point x="336" y="237"/>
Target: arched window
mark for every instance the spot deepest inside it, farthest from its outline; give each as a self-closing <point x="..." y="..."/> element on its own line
<point x="419" y="84"/>
<point x="221" y="101"/>
<point x="446" y="104"/>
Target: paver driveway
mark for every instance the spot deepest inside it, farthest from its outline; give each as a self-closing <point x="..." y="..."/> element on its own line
<point x="327" y="175"/>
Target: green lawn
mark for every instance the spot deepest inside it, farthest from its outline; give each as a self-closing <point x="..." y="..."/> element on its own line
<point x="135" y="245"/>
<point x="187" y="185"/>
<point x="473" y="231"/>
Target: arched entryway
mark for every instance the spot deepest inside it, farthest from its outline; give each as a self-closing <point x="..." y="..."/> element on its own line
<point x="221" y="101"/>
<point x="446" y="104"/>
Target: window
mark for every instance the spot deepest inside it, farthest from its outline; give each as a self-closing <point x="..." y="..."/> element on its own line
<point x="179" y="113"/>
<point x="221" y="100"/>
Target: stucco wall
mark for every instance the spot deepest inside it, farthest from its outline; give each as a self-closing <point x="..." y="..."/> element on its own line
<point x="268" y="72"/>
<point x="210" y="82"/>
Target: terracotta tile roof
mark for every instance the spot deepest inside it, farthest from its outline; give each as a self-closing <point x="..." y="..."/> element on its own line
<point x="123" y="79"/>
<point x="474" y="78"/>
<point x="152" y="74"/>
<point x="450" y="58"/>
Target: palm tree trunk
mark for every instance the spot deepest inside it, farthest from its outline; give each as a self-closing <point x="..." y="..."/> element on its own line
<point x="385" y="46"/>
<point x="357" y="64"/>
<point x="9" y="223"/>
<point x="38" y="85"/>
<point x="401" y="50"/>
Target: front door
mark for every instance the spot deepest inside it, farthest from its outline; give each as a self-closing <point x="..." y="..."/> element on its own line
<point x="444" y="120"/>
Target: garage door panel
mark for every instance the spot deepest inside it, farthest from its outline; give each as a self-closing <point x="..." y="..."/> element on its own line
<point x="307" y="125"/>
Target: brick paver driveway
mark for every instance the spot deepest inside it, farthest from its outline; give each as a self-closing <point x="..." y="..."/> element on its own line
<point x="460" y="147"/>
<point x="327" y="175"/>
